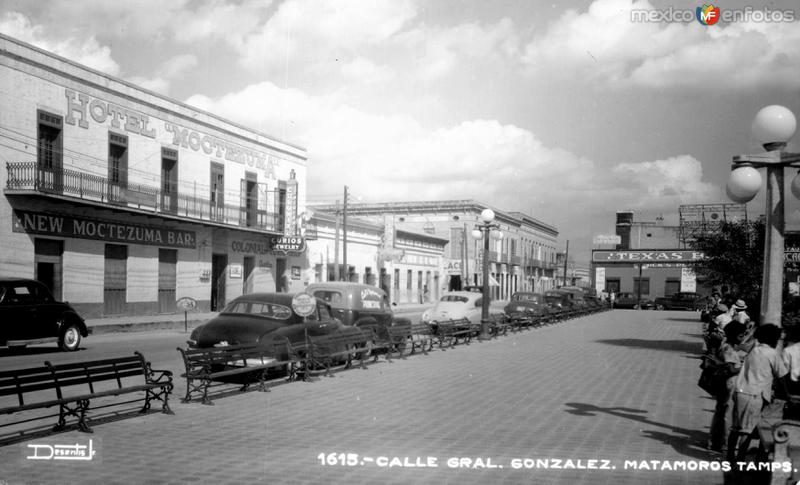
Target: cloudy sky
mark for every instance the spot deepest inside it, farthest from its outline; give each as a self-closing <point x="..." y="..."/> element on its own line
<point x="567" y="111"/>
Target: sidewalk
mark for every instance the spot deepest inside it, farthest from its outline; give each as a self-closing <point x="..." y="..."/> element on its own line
<point x="610" y="398"/>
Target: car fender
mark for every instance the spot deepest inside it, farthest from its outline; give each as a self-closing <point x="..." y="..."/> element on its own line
<point x="72" y="318"/>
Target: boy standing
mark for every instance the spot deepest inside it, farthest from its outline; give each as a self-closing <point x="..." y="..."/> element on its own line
<point x="753" y="389"/>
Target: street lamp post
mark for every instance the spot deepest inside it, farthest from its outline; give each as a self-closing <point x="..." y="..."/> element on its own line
<point x="486" y="229"/>
<point x="773" y="127"/>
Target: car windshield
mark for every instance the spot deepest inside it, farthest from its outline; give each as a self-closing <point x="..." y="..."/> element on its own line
<point x="455" y="298"/>
<point x="269" y="310"/>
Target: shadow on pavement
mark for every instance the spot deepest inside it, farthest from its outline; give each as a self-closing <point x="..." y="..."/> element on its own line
<point x="7" y="352"/>
<point x="674" y="345"/>
<point x="694" y="320"/>
<point x="684" y="441"/>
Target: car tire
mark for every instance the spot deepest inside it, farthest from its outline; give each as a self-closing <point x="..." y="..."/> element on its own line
<point x="659" y="307"/>
<point x="70" y="339"/>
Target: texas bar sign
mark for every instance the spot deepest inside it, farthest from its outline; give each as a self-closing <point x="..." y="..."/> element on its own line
<point x="654" y="256"/>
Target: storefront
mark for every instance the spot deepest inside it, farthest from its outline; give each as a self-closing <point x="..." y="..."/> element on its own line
<point x="123" y="201"/>
<point x="656" y="272"/>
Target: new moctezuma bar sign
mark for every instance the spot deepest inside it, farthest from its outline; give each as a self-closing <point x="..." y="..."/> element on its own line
<point x="68" y="226"/>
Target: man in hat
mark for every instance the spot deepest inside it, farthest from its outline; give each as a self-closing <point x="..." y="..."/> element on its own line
<point x="739" y="314"/>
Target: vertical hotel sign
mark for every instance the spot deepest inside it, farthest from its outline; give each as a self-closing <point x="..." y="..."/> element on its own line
<point x="290" y="226"/>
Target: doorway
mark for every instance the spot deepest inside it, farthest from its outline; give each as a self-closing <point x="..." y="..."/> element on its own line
<point x="219" y="264"/>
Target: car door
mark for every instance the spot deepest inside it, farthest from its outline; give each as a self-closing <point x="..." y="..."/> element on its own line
<point x="22" y="313"/>
<point x="47" y="311"/>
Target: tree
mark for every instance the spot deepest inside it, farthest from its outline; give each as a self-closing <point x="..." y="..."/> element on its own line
<point x="734" y="257"/>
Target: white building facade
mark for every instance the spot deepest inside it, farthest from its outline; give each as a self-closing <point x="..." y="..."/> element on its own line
<point x="523" y="260"/>
<point x="122" y="200"/>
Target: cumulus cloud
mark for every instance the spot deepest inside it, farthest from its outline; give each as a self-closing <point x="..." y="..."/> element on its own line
<point x="385" y="158"/>
<point x="83" y="49"/>
<point x="166" y="73"/>
<point x="605" y="44"/>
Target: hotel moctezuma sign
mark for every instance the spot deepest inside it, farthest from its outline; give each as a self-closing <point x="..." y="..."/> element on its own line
<point x="647" y="256"/>
<point x="30" y="222"/>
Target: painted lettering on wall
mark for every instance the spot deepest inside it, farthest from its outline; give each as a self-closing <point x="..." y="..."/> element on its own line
<point x="219" y="148"/>
<point x="80" y="107"/>
<point x="655" y="256"/>
<point x="67" y="226"/>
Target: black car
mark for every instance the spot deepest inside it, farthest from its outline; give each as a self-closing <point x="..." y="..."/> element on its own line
<point x="631" y="300"/>
<point x="683" y="300"/>
<point x="30" y="315"/>
<point x="263" y="318"/>
<point x="526" y="303"/>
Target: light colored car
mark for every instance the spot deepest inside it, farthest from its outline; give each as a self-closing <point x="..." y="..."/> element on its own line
<point x="454" y="305"/>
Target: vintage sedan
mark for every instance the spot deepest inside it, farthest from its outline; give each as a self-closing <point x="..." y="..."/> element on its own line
<point x="356" y="304"/>
<point x="455" y="305"/>
<point x="526" y="303"/>
<point x="682" y="300"/>
<point x="263" y="318"/>
<point x="632" y="301"/>
<point x="30" y="315"/>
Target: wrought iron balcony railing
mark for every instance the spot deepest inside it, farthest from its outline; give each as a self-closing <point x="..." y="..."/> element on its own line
<point x="25" y="176"/>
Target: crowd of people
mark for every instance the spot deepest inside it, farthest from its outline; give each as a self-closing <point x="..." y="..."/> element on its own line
<point x="744" y="368"/>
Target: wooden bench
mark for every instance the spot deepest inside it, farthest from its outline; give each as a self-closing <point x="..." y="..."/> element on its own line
<point x="204" y="366"/>
<point x="346" y="345"/>
<point x="73" y="386"/>
<point x="448" y="332"/>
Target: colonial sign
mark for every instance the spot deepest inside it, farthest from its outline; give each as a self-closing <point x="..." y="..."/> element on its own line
<point x="655" y="256"/>
<point x="85" y="228"/>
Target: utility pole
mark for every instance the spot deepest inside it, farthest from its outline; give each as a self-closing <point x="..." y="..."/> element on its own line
<point x="566" y="258"/>
<point x="336" y="275"/>
<point x="344" y="237"/>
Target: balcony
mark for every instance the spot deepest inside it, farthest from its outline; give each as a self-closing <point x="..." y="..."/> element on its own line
<point x="517" y="260"/>
<point x="25" y="177"/>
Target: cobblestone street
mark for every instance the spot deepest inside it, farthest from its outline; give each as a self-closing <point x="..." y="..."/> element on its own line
<point x="591" y="400"/>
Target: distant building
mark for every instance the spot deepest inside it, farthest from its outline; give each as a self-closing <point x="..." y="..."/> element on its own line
<point x="649" y="261"/>
<point x="524" y="259"/>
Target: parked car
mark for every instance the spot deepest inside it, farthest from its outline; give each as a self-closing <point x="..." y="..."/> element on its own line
<point x="682" y="300"/>
<point x="631" y="300"/>
<point x="358" y="305"/>
<point x="454" y="305"/>
<point x="523" y="302"/>
<point x="559" y="299"/>
<point x="262" y="318"/>
<point x="30" y="315"/>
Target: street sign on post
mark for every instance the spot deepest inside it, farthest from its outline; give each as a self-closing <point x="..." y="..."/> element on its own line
<point x="186" y="303"/>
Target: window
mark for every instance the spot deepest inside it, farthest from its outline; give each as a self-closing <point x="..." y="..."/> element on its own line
<point x="169" y="179"/>
<point x="644" y="283"/>
<point x="217" y="191"/>
<point x="49" y="153"/>
<point x="396" y="282"/>
<point x="328" y="296"/>
<point x="409" y="279"/>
